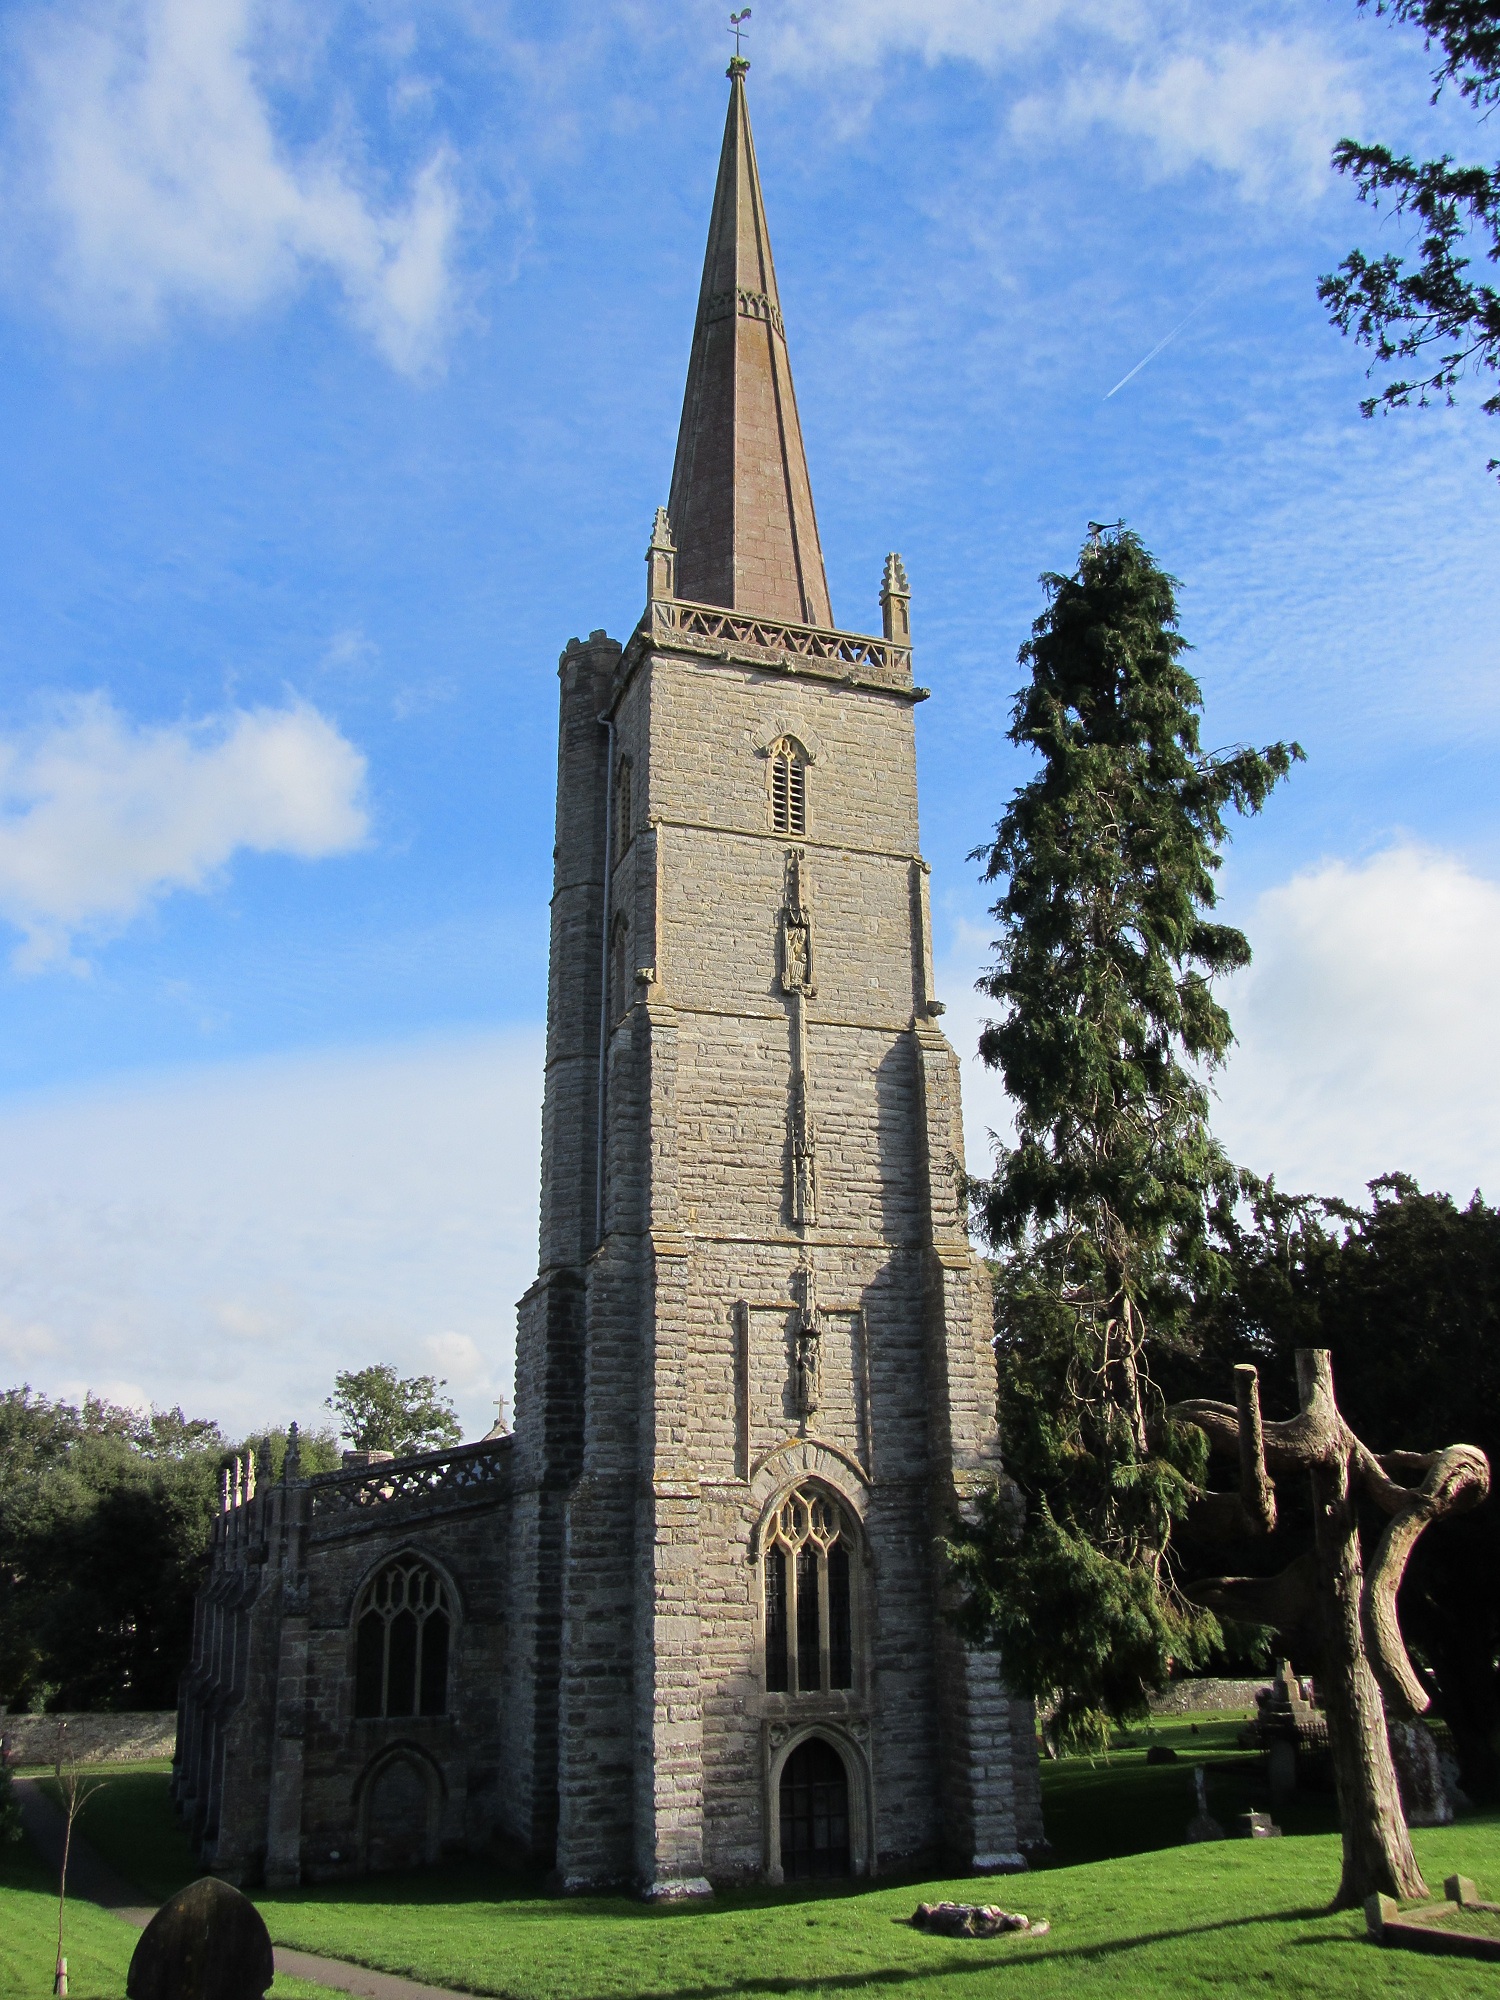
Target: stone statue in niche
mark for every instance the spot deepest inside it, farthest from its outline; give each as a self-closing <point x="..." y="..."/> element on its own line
<point x="796" y="931"/>
<point x="808" y="1352"/>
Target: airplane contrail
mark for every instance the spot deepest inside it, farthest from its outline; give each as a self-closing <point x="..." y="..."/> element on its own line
<point x="1165" y="341"/>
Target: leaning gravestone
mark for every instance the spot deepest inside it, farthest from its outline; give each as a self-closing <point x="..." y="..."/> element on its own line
<point x="208" y="1943"/>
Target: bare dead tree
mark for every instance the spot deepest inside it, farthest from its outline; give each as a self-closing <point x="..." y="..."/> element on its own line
<point x="1367" y="1678"/>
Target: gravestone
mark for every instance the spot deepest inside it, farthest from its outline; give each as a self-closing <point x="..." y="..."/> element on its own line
<point x="1286" y="1696"/>
<point x="1203" y="1826"/>
<point x="1281" y="1769"/>
<point x="208" y="1943"/>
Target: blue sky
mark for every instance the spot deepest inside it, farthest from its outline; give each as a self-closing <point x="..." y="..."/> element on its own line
<point x="341" y="352"/>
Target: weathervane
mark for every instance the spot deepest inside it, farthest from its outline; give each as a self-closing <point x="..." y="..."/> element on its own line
<point x="737" y="28"/>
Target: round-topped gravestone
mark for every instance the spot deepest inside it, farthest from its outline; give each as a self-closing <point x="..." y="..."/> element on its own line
<point x="208" y="1943"/>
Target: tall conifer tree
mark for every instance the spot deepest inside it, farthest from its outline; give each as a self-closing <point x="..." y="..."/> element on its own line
<point x="1107" y="1032"/>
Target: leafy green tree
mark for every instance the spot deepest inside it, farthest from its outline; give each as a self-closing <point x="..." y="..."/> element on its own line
<point x="1436" y="312"/>
<point x="105" y="1518"/>
<point x="10" y="1810"/>
<point x="1404" y="1291"/>
<point x="378" y="1410"/>
<point x="1100" y="1210"/>
<point x="317" y="1451"/>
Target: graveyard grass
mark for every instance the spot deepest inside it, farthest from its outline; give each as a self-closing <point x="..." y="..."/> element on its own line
<point x="142" y="1839"/>
<point x="1133" y="1912"/>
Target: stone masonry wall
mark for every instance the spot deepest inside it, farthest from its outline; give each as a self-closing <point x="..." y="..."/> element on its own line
<point x="272" y="1768"/>
<point x="691" y="1428"/>
<point x="92" y="1738"/>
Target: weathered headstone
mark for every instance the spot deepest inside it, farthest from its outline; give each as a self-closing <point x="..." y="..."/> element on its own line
<point x="1281" y="1769"/>
<point x="1203" y="1826"/>
<point x="208" y="1943"/>
<point x="1287" y="1696"/>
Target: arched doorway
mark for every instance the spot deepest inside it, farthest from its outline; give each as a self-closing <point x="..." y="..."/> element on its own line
<point x="399" y="1816"/>
<point x="814" y="1813"/>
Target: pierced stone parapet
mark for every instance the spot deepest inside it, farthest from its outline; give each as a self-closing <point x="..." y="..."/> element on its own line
<point x="772" y="642"/>
<point x="482" y="1469"/>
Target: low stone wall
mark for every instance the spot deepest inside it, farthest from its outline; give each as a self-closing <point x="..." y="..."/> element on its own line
<point x="92" y="1739"/>
<point x="1201" y="1697"/>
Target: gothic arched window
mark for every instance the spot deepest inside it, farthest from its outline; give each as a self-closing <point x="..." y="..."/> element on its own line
<point x="788" y="787"/>
<point x="402" y="1626"/>
<point x="809" y="1603"/>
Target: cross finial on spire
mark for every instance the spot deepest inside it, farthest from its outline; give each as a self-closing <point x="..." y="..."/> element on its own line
<point x="737" y="28"/>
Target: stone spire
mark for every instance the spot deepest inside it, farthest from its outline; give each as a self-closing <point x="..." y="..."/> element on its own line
<point x="741" y="505"/>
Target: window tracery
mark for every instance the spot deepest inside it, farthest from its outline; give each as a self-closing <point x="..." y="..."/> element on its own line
<point x="402" y="1625"/>
<point x="809" y="1596"/>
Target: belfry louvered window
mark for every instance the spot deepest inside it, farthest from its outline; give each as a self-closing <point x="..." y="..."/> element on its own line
<point x="809" y="1608"/>
<point x="788" y="787"/>
<point x="402" y="1628"/>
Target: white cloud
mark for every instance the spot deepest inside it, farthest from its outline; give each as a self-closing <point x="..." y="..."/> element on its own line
<point x="868" y="32"/>
<point x="1365" y="1025"/>
<point x="1263" y="110"/>
<point x="1265" y="113"/>
<point x="1367" y="1028"/>
<point x="228" y="1238"/>
<point x="150" y="144"/>
<point x="100" y="817"/>
<point x="458" y="1360"/>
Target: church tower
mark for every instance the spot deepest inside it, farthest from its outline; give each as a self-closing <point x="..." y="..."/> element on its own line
<point x="754" y="1377"/>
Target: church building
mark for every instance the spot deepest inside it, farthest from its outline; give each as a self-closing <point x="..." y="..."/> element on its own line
<point x="685" y="1625"/>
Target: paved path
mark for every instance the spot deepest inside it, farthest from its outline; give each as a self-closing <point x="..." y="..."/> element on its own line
<point x="91" y="1877"/>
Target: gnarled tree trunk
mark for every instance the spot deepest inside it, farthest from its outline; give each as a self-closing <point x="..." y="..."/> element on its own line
<point x="1366" y="1673"/>
<point x="1377" y="1847"/>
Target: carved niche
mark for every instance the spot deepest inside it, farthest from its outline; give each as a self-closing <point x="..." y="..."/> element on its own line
<point x="796" y="967"/>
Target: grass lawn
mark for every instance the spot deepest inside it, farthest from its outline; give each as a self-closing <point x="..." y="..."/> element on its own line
<point x="140" y="1833"/>
<point x="1230" y="1918"/>
<point x="1155" y="1918"/>
<point x="98" y="1945"/>
<point x="132" y="1823"/>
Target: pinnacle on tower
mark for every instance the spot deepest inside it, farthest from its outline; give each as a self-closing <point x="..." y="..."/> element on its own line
<point x="741" y="503"/>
